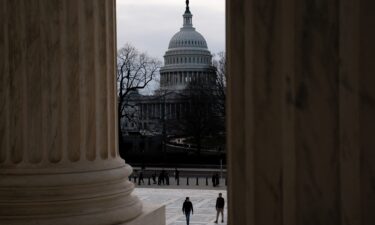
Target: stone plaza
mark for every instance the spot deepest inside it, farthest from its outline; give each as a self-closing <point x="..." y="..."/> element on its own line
<point x="203" y="202"/>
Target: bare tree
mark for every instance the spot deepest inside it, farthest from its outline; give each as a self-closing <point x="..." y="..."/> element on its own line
<point x="205" y="116"/>
<point x="201" y="118"/>
<point x="221" y="81"/>
<point x="135" y="70"/>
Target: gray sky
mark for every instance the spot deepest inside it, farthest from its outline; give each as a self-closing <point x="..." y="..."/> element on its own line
<point x="150" y="24"/>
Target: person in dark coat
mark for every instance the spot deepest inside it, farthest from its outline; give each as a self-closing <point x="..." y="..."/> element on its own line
<point x="140" y="179"/>
<point x="154" y="177"/>
<point x="217" y="180"/>
<point x="162" y="176"/>
<point x="220" y="208"/>
<point x="159" y="179"/>
<point x="177" y="176"/>
<point x="187" y="208"/>
<point x="167" y="178"/>
<point x="135" y="175"/>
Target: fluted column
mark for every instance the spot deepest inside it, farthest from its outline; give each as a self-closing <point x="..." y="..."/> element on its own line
<point x="59" y="162"/>
<point x="301" y="112"/>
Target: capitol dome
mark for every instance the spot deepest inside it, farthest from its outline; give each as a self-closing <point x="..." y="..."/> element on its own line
<point x="187" y="38"/>
<point x="187" y="58"/>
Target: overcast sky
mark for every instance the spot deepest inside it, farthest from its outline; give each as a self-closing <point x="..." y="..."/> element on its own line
<point x="150" y="24"/>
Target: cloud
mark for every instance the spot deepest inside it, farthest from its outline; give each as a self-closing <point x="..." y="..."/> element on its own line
<point x="212" y="4"/>
<point x="150" y="24"/>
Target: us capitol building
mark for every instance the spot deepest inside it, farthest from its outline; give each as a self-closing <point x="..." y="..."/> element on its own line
<point x="186" y="60"/>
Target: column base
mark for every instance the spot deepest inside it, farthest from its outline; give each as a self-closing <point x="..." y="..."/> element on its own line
<point x="151" y="215"/>
<point x="45" y="196"/>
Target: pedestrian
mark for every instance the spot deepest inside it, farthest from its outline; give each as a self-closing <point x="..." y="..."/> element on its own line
<point x="213" y="180"/>
<point x="135" y="176"/>
<point x="187" y="208"/>
<point x="159" y="179"/>
<point x="217" y="180"/>
<point x="220" y="208"/>
<point x="167" y="178"/>
<point x="154" y="177"/>
<point x="177" y="176"/>
<point x="162" y="177"/>
<point x="140" y="179"/>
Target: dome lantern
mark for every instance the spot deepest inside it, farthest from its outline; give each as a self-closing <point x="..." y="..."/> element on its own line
<point x="187" y="37"/>
<point x="188" y="22"/>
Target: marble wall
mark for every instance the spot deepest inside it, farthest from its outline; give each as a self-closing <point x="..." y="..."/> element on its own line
<point x="301" y="112"/>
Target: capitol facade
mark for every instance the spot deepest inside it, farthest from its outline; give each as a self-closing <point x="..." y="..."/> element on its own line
<point x="186" y="61"/>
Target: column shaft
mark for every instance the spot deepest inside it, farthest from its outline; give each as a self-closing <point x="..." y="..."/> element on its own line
<point x="58" y="143"/>
<point x="301" y="112"/>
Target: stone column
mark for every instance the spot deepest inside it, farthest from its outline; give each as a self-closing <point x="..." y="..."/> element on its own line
<point x="59" y="160"/>
<point x="301" y="112"/>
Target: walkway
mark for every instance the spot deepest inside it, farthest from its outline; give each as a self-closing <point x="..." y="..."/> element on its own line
<point x="203" y="202"/>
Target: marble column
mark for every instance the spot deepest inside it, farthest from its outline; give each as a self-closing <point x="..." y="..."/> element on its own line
<point x="59" y="162"/>
<point x="301" y="112"/>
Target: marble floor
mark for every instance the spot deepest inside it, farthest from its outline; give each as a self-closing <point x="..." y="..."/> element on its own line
<point x="203" y="203"/>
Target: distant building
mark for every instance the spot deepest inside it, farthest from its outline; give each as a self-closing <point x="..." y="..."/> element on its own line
<point x="187" y="59"/>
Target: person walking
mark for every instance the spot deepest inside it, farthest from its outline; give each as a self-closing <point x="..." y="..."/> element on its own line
<point x="140" y="179"/>
<point x="177" y="176"/>
<point x="187" y="208"/>
<point x="167" y="178"/>
<point x="217" y="180"/>
<point x="220" y="208"/>
<point x="162" y="176"/>
<point x="135" y="175"/>
<point x="154" y="177"/>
